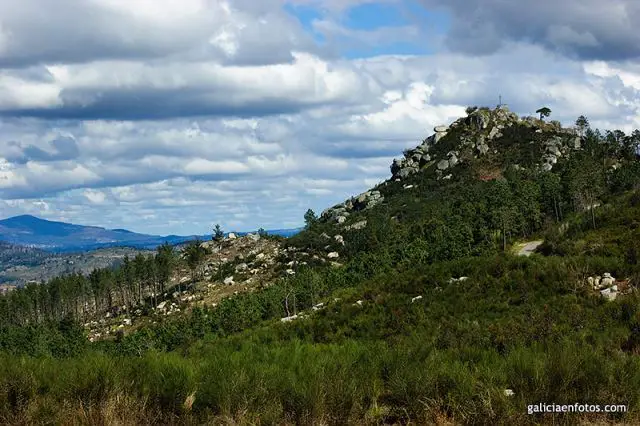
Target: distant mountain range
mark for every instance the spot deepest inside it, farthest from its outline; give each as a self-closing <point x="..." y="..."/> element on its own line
<point x="31" y="231"/>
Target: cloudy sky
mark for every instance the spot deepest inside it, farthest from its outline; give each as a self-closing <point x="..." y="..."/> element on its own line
<point x="167" y="116"/>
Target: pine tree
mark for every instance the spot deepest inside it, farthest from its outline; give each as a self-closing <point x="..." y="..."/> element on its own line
<point x="310" y="218"/>
<point x="544" y="112"/>
<point x="218" y="234"/>
<point x="582" y="124"/>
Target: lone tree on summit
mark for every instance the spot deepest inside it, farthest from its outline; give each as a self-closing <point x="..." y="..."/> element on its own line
<point x="544" y="112"/>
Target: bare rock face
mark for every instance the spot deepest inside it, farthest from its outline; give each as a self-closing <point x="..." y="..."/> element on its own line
<point x="440" y="132"/>
<point x="494" y="133"/>
<point x="340" y="212"/>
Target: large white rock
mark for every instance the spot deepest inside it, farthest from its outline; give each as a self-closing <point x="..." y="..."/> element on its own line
<point x="609" y="293"/>
<point x="438" y="136"/>
<point x="607" y="280"/>
<point x="443" y="165"/>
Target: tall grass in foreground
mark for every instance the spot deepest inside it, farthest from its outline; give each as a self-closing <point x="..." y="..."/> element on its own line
<point x="301" y="383"/>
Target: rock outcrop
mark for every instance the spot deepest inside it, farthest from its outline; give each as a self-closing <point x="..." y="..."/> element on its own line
<point x="340" y="212"/>
<point x="476" y="134"/>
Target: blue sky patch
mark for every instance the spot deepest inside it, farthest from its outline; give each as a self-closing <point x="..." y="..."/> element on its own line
<point x="306" y="15"/>
<point x="369" y="17"/>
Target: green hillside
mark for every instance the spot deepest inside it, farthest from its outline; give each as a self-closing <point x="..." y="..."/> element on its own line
<point x="408" y="304"/>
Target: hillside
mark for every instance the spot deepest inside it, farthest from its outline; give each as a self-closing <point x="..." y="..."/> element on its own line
<point x="14" y="255"/>
<point x="406" y="304"/>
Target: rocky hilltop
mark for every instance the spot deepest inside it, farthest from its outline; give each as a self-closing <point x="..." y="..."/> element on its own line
<point x="479" y="134"/>
<point x="481" y="143"/>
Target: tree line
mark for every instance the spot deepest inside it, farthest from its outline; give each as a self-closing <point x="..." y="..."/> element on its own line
<point x="136" y="282"/>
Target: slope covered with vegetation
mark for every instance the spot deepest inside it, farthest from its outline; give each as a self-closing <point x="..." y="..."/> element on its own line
<point x="423" y="315"/>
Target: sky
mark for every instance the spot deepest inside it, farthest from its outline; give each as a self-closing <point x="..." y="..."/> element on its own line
<point x="169" y="116"/>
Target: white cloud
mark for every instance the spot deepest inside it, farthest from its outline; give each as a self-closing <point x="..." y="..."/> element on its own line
<point x="38" y="31"/>
<point x="126" y="89"/>
<point x="204" y="167"/>
<point x="403" y="118"/>
<point x="95" y="197"/>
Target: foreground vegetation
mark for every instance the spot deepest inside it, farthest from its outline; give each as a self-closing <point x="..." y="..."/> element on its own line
<point x="516" y="323"/>
<point x="375" y="351"/>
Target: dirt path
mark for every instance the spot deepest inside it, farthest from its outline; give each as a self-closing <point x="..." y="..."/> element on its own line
<point x="525" y="249"/>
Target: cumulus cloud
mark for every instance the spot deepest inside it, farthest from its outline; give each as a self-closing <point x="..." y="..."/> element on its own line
<point x="124" y="90"/>
<point x="80" y="31"/>
<point x="585" y="29"/>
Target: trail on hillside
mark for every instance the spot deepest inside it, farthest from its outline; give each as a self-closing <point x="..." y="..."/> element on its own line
<point x="527" y="248"/>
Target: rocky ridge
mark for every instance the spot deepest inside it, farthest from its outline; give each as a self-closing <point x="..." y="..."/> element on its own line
<point x="476" y="136"/>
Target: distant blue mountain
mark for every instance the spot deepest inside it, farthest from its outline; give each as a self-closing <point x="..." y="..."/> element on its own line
<point x="31" y="231"/>
<point x="284" y="232"/>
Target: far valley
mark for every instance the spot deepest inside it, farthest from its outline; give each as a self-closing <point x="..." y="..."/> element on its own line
<point x="20" y="265"/>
